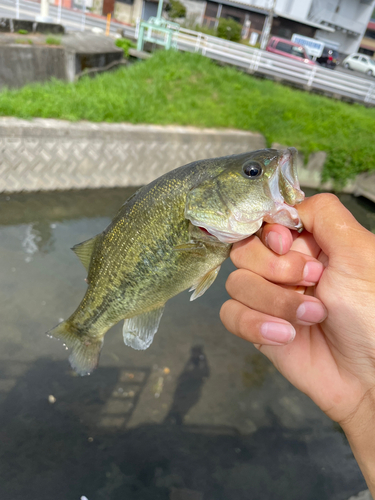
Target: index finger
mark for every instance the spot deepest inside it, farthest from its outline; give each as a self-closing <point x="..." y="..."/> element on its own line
<point x="333" y="227"/>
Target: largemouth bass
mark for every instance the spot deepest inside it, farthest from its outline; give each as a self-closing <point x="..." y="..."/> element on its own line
<point x="171" y="235"/>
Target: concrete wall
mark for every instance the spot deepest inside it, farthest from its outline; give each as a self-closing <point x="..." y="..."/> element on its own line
<point x="123" y="12"/>
<point x="294" y="8"/>
<point x="10" y="25"/>
<point x="194" y="11"/>
<point x="22" y="64"/>
<point x="53" y="154"/>
<point x="128" y="13"/>
<point x="47" y="155"/>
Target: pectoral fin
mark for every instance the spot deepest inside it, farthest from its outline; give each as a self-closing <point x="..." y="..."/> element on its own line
<point x="139" y="331"/>
<point x="204" y="283"/>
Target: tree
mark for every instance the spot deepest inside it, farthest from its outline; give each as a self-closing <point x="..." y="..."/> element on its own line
<point x="229" y="29"/>
<point x="175" y="9"/>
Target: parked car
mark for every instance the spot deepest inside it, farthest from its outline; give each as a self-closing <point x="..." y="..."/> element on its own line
<point x="329" y="58"/>
<point x="288" y="48"/>
<point x="360" y="62"/>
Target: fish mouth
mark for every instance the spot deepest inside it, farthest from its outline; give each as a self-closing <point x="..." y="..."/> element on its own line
<point x="288" y="166"/>
<point x="285" y="191"/>
<point x="284" y="185"/>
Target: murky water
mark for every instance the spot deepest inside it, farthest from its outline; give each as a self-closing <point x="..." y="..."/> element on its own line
<point x="201" y="415"/>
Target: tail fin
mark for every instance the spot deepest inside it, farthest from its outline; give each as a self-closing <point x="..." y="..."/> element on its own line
<point x="85" y="350"/>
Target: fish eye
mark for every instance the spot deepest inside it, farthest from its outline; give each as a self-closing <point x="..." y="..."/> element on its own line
<point x="252" y="170"/>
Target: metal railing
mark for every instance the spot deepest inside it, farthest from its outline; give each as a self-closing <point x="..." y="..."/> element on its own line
<point x="253" y="60"/>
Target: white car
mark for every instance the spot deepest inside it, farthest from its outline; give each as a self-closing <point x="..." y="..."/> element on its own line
<point x="360" y="62"/>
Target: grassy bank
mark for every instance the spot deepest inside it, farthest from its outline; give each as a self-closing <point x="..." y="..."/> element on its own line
<point x="187" y="89"/>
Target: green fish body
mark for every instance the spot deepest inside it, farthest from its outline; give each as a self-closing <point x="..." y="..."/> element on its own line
<point x="171" y="235"/>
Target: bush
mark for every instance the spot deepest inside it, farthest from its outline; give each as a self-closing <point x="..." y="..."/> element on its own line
<point x="175" y="9"/>
<point x="229" y="29"/>
<point x="125" y="45"/>
<point x="23" y="32"/>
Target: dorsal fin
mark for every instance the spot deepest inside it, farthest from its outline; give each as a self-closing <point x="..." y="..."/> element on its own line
<point x="84" y="251"/>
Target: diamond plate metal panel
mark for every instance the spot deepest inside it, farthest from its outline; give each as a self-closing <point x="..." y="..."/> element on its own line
<point x="52" y="154"/>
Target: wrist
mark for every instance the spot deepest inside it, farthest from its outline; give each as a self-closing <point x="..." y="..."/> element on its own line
<point x="359" y="428"/>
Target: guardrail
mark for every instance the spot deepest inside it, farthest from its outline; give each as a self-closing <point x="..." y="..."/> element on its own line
<point x="253" y="60"/>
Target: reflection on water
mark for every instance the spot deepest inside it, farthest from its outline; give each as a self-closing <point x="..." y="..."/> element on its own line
<point x="201" y="415"/>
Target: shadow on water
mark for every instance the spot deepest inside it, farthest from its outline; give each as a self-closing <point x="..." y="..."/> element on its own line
<point x="77" y="444"/>
<point x="189" y="386"/>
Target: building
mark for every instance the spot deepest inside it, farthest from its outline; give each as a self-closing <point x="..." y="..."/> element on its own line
<point x="340" y="24"/>
<point x="368" y="41"/>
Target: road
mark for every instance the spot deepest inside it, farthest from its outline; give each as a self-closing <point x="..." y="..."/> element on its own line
<point x="72" y="19"/>
<point x="353" y="73"/>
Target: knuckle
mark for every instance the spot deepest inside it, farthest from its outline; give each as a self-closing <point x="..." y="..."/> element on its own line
<point x="322" y="200"/>
<point x="233" y="281"/>
<point x="224" y="311"/>
<point x="287" y="271"/>
<point x="243" y="325"/>
<point x="236" y="256"/>
<point x="288" y="268"/>
<point x="279" y="304"/>
<point x="242" y="251"/>
<point x="281" y="269"/>
<point x="285" y="304"/>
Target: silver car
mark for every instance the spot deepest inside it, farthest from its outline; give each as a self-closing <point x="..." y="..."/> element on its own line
<point x="360" y="62"/>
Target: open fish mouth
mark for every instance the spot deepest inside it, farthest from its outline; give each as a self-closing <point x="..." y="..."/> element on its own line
<point x="285" y="191"/>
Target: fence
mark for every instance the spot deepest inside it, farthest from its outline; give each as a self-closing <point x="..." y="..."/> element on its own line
<point x="254" y="60"/>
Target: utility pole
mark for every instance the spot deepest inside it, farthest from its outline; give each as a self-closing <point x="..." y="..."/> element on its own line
<point x="44" y="8"/>
<point x="267" y="26"/>
<point x="59" y="12"/>
<point x="43" y="17"/>
<point x="83" y="21"/>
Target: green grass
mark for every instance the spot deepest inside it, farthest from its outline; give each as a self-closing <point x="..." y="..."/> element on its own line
<point x="52" y="40"/>
<point x="125" y="45"/>
<point x="24" y="41"/>
<point x="187" y="89"/>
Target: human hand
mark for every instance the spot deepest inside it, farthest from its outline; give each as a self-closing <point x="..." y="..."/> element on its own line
<point x="311" y="309"/>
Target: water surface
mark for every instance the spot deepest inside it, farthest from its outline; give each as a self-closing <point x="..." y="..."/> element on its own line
<point x="200" y="415"/>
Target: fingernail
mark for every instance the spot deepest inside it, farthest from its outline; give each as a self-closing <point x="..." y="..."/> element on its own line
<point x="312" y="271"/>
<point x="311" y="312"/>
<point x="275" y="242"/>
<point x="279" y="333"/>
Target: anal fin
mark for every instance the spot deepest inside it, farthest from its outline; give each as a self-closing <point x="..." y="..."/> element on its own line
<point x="140" y="330"/>
<point x="204" y="283"/>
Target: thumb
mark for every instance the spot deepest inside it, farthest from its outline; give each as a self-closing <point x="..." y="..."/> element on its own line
<point x="334" y="228"/>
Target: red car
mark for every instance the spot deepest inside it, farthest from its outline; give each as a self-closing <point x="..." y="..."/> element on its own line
<point x="290" y="49"/>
